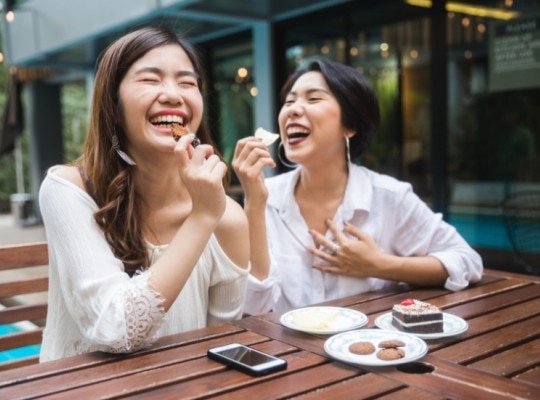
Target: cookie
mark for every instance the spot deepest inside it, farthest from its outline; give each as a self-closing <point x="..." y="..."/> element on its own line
<point x="387" y="344"/>
<point x="362" y="348"/>
<point x="390" y="354"/>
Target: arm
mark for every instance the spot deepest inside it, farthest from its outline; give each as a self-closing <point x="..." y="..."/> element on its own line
<point x="425" y="249"/>
<point x="250" y="158"/>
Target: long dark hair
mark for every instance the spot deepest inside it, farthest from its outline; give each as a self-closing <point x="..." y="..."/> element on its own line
<point x="355" y="96"/>
<point x="108" y="179"/>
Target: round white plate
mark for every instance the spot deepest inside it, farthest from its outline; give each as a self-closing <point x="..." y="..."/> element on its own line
<point x="452" y="325"/>
<point x="324" y="320"/>
<point x="338" y="347"/>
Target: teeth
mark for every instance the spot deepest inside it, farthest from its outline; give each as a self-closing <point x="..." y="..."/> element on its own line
<point x="297" y="130"/>
<point x="167" y="119"/>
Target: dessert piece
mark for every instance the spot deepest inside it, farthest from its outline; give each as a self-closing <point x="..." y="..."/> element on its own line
<point x="416" y="316"/>
<point x="386" y="344"/>
<point x="390" y="353"/>
<point x="179" y="131"/>
<point x="267" y="137"/>
<point x="362" y="348"/>
<point x="315" y="319"/>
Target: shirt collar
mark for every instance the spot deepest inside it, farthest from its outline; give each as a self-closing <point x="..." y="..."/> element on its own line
<point x="358" y="193"/>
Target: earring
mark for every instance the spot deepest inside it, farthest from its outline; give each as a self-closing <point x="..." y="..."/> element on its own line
<point x="347" y="150"/>
<point x="123" y="156"/>
<point x="283" y="160"/>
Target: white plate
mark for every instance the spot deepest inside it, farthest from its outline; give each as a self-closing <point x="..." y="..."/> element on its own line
<point x="452" y="325"/>
<point x="338" y="347"/>
<point x="324" y="320"/>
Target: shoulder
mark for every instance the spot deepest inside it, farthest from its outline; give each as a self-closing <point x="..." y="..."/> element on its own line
<point x="68" y="173"/>
<point x="380" y="182"/>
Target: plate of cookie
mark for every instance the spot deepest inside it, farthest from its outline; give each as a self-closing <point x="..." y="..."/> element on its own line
<point x="452" y="326"/>
<point x="324" y="320"/>
<point x="375" y="347"/>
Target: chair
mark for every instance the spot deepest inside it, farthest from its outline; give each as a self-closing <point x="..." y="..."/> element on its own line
<point x="521" y="216"/>
<point x="23" y="303"/>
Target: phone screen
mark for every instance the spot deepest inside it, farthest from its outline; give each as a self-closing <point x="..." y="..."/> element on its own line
<point x="247" y="356"/>
<point x="247" y="359"/>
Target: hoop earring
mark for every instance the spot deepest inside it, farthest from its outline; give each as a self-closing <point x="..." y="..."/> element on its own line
<point x="116" y="147"/>
<point x="284" y="161"/>
<point x="347" y="150"/>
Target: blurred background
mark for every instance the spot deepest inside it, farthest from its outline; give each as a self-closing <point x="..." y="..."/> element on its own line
<point x="458" y="85"/>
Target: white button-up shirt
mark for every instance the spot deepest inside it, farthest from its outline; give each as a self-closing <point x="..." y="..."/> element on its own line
<point x="383" y="207"/>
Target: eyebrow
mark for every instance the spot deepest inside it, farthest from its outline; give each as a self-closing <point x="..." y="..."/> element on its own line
<point x="158" y="71"/>
<point x="309" y="91"/>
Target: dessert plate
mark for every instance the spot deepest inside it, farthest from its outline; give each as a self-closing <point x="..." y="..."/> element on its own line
<point x="324" y="320"/>
<point x="452" y="325"/>
<point x="337" y="346"/>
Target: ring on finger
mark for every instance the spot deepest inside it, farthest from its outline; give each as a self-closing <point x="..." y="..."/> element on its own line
<point x="334" y="249"/>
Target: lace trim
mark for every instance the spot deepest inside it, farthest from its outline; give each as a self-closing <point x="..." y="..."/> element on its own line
<point x="144" y="314"/>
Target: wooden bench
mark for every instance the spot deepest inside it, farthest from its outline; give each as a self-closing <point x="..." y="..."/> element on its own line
<point x="23" y="297"/>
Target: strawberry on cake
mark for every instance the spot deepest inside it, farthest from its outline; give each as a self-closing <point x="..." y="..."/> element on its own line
<point x="416" y="316"/>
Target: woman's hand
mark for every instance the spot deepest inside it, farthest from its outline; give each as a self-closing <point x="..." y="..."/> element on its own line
<point x="250" y="158"/>
<point x="202" y="172"/>
<point x="352" y="253"/>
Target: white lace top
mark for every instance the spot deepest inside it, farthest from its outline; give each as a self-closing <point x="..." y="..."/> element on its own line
<point x="95" y="305"/>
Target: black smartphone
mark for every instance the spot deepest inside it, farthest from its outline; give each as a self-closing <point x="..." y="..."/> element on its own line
<point x="246" y="359"/>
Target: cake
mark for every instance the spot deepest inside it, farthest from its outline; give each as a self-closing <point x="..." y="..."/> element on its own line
<point x="416" y="316"/>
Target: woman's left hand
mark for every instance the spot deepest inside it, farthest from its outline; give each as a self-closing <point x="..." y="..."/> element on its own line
<point x="352" y="253"/>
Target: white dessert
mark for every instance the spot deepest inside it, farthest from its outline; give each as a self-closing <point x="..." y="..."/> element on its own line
<point x="267" y="137"/>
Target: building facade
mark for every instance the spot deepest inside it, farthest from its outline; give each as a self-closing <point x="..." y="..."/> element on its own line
<point x="458" y="83"/>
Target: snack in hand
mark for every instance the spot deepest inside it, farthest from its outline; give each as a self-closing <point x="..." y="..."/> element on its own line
<point x="267" y="137"/>
<point x="178" y="131"/>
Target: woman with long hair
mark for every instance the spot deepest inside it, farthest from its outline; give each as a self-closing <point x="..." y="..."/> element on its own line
<point x="143" y="241"/>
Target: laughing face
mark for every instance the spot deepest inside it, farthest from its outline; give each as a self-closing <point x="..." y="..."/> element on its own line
<point x="310" y="121"/>
<point x="159" y="90"/>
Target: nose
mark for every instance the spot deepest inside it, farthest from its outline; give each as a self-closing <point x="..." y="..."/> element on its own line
<point x="171" y="93"/>
<point x="294" y="109"/>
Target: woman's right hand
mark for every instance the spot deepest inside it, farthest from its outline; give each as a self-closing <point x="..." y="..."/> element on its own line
<point x="250" y="157"/>
<point x="202" y="172"/>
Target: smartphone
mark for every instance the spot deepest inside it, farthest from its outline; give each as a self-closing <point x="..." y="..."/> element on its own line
<point x="246" y="359"/>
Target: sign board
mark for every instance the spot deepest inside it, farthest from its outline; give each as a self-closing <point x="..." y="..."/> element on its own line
<point x="514" y="55"/>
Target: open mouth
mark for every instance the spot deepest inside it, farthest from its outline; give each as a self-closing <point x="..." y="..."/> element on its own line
<point x="176" y="126"/>
<point x="296" y="134"/>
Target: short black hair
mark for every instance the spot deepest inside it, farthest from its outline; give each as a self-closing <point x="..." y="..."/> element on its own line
<point x="355" y="96"/>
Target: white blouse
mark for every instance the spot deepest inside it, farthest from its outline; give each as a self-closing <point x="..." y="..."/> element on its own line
<point x="383" y="207"/>
<point x="94" y="305"/>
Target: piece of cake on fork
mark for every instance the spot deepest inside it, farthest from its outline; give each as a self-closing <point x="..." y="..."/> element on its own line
<point x="417" y="316"/>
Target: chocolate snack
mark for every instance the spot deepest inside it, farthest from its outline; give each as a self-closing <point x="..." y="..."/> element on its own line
<point x="178" y="131"/>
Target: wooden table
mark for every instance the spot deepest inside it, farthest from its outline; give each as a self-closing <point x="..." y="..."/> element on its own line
<point x="497" y="358"/>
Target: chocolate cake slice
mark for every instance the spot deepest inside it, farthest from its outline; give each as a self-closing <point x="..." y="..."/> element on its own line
<point x="416" y="316"/>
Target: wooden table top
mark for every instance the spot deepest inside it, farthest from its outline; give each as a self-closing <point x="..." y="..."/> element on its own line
<point x="498" y="357"/>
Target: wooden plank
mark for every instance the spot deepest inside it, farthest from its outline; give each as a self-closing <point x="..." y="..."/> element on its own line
<point x="45" y="371"/>
<point x="20" y="339"/>
<point x="16" y="288"/>
<point x="19" y="363"/>
<point x="516" y="360"/>
<point x="499" y="333"/>
<point x="120" y="366"/>
<point x="451" y="380"/>
<point x="305" y="372"/>
<point x="364" y="386"/>
<point x="23" y="313"/>
<point x="23" y="255"/>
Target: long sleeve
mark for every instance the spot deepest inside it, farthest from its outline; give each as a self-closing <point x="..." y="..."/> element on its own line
<point x="92" y="301"/>
<point x="383" y="207"/>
